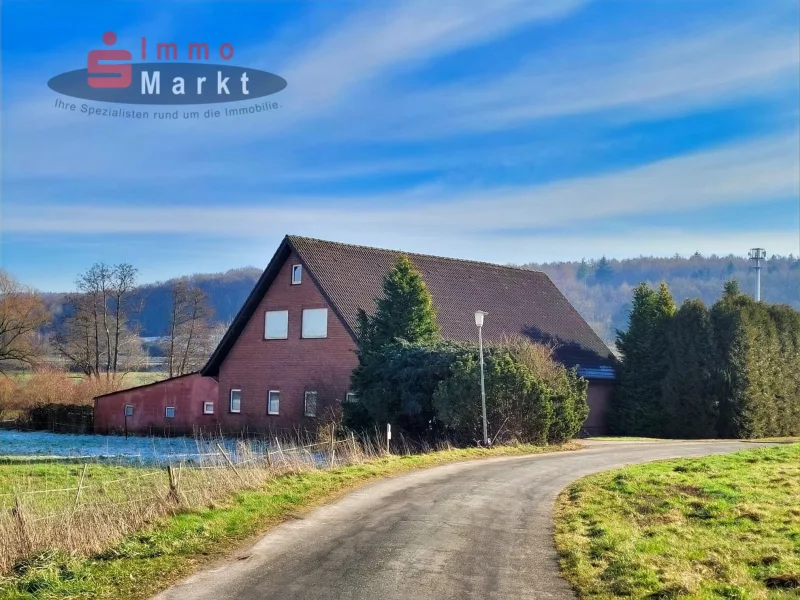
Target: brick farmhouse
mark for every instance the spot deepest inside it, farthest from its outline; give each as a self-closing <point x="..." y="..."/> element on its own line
<point x="286" y="359"/>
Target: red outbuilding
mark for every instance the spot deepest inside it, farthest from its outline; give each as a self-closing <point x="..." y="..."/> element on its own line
<point x="287" y="357"/>
<point x="176" y="405"/>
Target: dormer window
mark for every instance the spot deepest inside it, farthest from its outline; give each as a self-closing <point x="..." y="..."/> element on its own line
<point x="297" y="274"/>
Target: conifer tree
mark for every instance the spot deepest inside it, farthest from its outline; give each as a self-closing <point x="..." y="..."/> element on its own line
<point x="690" y="403"/>
<point x="404" y="314"/>
<point x="637" y="407"/>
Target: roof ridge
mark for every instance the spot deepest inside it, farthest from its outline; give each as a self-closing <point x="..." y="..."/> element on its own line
<point x="292" y="237"/>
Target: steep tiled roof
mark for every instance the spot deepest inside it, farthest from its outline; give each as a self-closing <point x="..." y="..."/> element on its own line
<point x="516" y="300"/>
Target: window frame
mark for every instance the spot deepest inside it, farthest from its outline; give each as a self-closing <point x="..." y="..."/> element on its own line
<point x="266" y="316"/>
<point x="303" y="324"/>
<point x="211" y="402"/>
<point x="305" y="404"/>
<point x="126" y="412"/>
<point x="166" y="412"/>
<point x="230" y="401"/>
<point x="269" y="402"/>
<point x="298" y="268"/>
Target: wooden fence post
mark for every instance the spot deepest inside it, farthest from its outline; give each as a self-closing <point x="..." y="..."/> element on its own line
<point x="173" y="485"/>
<point x="333" y="444"/>
<point x="19" y="518"/>
<point x="230" y="462"/>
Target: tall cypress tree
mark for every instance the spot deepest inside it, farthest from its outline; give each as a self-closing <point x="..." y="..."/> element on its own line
<point x="689" y="400"/>
<point x="637" y="407"/>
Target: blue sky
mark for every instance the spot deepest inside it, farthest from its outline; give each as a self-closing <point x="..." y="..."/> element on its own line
<point x="499" y="130"/>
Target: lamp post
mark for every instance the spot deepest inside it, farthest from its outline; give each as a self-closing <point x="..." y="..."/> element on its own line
<point x="479" y="315"/>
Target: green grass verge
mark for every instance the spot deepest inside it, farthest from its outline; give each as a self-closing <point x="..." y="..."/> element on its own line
<point x="172" y="548"/>
<point x="719" y="527"/>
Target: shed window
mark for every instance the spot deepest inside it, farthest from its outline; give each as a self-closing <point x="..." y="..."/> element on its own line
<point x="310" y="404"/>
<point x="276" y="325"/>
<point x="169" y="412"/>
<point x="273" y="402"/>
<point x="315" y="323"/>
<point x="297" y="274"/>
<point x="208" y="408"/>
<point x="236" y="401"/>
<point x="129" y="410"/>
<point x="351" y="398"/>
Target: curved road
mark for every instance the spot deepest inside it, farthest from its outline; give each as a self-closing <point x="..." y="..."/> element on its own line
<point x="480" y="529"/>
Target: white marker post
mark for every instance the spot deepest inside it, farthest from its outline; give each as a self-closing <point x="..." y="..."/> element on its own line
<point x="388" y="436"/>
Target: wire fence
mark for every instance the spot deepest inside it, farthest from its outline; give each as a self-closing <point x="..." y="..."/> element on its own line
<point x="86" y="507"/>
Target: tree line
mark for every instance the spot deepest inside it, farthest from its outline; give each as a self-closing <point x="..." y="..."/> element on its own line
<point x="730" y="371"/>
<point x="601" y="290"/>
<point x="429" y="389"/>
<point x="95" y="332"/>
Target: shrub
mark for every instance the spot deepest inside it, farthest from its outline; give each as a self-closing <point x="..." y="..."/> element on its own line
<point x="570" y="407"/>
<point x="519" y="406"/>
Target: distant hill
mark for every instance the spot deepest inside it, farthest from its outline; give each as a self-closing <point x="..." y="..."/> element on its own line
<point x="600" y="290"/>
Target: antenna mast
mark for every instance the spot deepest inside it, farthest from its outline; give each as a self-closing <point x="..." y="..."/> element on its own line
<point x="757" y="255"/>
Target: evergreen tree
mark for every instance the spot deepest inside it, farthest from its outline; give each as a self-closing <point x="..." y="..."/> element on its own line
<point x="637" y="407"/>
<point x="404" y="314"/>
<point x="690" y="403"/>
<point x="583" y="270"/>
<point x="603" y="271"/>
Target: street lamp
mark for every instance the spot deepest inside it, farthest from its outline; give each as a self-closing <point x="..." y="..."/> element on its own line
<point x="479" y="315"/>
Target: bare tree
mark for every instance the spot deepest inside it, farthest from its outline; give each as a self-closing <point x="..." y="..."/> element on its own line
<point x="190" y="336"/>
<point x="95" y="333"/>
<point x="22" y="315"/>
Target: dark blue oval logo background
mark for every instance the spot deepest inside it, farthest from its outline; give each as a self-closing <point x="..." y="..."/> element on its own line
<point x="258" y="84"/>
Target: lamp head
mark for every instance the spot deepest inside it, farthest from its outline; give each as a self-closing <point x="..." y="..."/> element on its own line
<point x="479" y="314"/>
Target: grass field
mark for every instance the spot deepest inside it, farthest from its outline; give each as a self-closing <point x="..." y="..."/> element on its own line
<point x="717" y="527"/>
<point x="171" y="547"/>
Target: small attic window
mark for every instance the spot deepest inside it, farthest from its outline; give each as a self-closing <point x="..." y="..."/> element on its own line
<point x="297" y="274"/>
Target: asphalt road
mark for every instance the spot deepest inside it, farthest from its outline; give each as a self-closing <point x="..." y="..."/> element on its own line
<point x="482" y="529"/>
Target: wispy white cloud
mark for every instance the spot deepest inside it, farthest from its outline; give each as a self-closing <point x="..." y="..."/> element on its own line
<point x="629" y="78"/>
<point x="750" y="172"/>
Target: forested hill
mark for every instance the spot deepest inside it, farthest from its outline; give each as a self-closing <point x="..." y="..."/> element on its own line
<point x="226" y="293"/>
<point x="601" y="290"/>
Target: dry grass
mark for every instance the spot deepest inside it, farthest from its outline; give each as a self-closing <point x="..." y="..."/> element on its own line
<point x="85" y="508"/>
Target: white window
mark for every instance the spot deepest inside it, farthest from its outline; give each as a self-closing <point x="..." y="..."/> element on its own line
<point x="297" y="274"/>
<point x="208" y="408"/>
<point x="129" y="410"/>
<point x="351" y="398"/>
<point x="273" y="402"/>
<point x="236" y="401"/>
<point x="315" y="323"/>
<point x="276" y="325"/>
<point x="169" y="412"/>
<point x="310" y="404"/>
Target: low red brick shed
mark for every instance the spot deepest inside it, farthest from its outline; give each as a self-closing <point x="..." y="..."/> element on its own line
<point x="181" y="404"/>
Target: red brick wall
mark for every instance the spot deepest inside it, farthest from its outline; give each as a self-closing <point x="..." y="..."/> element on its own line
<point x="292" y="366"/>
<point x="149" y="402"/>
<point x="598" y="396"/>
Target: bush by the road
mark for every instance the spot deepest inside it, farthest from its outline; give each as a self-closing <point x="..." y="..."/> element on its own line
<point x="432" y="391"/>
